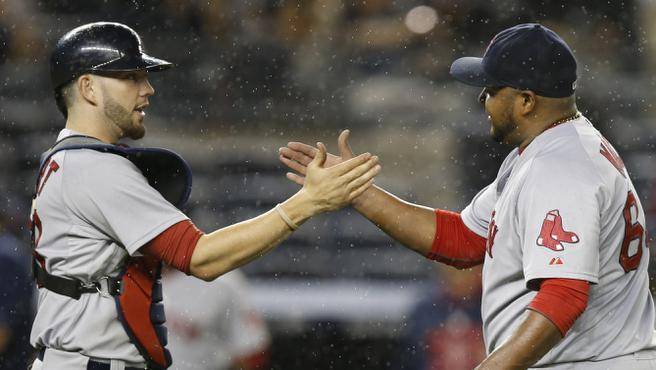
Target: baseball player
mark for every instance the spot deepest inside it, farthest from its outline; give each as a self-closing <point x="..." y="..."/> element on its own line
<point x="560" y="231"/>
<point x="222" y="331"/>
<point x="105" y="216"/>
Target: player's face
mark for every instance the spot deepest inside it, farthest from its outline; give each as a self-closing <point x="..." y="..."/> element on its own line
<point x="125" y="96"/>
<point x="498" y="102"/>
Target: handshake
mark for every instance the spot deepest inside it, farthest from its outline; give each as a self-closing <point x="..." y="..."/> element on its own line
<point x="329" y="182"/>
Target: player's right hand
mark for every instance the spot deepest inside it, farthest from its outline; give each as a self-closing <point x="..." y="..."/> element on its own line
<point x="331" y="188"/>
<point x="297" y="156"/>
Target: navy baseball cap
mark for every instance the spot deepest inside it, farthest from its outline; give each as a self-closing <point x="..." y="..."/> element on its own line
<point x="526" y="57"/>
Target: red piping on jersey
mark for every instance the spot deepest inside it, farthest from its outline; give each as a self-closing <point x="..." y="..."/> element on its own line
<point x="454" y="244"/>
<point x="175" y="245"/>
<point x="561" y="301"/>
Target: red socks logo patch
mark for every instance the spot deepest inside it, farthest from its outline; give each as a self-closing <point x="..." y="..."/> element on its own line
<point x="553" y="235"/>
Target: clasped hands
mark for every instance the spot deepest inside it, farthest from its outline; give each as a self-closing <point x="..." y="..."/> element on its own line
<point x="319" y="172"/>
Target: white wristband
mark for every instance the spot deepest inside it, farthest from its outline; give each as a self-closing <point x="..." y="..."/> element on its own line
<point x="285" y="217"/>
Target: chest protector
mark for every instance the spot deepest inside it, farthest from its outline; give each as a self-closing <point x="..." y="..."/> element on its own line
<point x="138" y="290"/>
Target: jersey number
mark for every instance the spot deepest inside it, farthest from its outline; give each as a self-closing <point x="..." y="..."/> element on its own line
<point x="633" y="235"/>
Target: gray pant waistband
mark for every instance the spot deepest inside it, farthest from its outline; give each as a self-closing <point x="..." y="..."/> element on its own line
<point x="641" y="360"/>
<point x="54" y="359"/>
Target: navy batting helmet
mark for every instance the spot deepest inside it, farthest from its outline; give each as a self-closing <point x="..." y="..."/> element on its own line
<point x="98" y="47"/>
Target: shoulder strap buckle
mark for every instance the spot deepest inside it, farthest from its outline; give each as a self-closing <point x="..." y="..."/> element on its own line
<point x="108" y="286"/>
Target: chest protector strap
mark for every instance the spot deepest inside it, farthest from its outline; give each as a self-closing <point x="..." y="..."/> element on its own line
<point x="139" y="300"/>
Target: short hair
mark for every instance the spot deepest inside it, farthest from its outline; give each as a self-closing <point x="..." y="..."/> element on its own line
<point x="64" y="96"/>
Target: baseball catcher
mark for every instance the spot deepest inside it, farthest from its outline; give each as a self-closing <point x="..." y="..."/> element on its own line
<point x="105" y="216"/>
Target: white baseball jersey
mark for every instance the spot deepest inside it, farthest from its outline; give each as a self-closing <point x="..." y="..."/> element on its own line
<point x="566" y="208"/>
<point x="210" y="333"/>
<point x="95" y="209"/>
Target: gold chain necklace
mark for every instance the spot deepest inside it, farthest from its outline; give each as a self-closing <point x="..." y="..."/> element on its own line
<point x="559" y="122"/>
<point x="566" y="119"/>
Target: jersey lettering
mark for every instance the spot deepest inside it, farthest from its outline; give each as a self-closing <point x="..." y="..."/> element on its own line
<point x="36" y="228"/>
<point x="491" y="234"/>
<point x="633" y="235"/>
<point x="51" y="167"/>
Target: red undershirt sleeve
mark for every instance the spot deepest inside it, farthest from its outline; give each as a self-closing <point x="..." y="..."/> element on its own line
<point x="454" y="243"/>
<point x="175" y="245"/>
<point x="561" y="301"/>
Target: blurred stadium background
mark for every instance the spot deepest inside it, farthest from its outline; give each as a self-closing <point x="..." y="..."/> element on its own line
<point x="253" y="75"/>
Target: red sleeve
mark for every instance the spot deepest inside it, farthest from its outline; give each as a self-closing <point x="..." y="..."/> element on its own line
<point x="562" y="301"/>
<point x="175" y="245"/>
<point x="454" y="243"/>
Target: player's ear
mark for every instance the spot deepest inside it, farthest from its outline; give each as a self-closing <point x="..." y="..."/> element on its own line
<point x="88" y="88"/>
<point x="527" y="101"/>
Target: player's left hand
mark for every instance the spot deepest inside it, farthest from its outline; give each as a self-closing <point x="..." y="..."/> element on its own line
<point x="297" y="156"/>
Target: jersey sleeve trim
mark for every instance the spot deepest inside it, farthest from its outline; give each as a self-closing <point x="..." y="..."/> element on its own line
<point x="533" y="280"/>
<point x="471" y="224"/>
<point x="454" y="244"/>
<point x="175" y="245"/>
<point x="132" y="248"/>
<point x="561" y="301"/>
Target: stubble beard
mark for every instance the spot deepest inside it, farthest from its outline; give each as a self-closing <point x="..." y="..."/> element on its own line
<point x="502" y="132"/>
<point x="122" y="119"/>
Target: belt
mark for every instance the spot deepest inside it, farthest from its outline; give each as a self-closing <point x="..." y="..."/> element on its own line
<point x="94" y="364"/>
